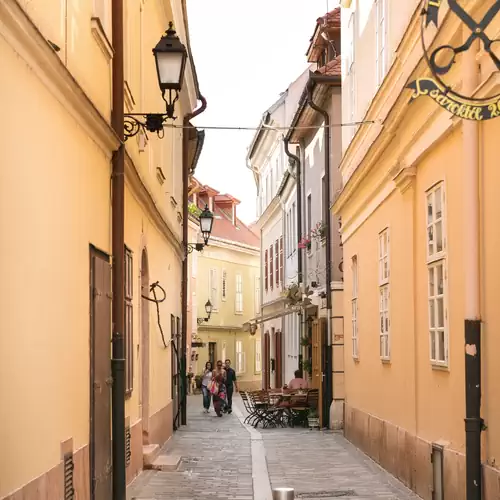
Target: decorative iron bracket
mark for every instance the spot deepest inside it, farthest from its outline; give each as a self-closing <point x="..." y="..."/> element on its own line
<point x="195" y="246"/>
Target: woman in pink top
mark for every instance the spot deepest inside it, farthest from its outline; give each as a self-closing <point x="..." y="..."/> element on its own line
<point x="298" y="382"/>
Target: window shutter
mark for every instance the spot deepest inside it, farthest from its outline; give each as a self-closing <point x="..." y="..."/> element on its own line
<point x="276" y="251"/>
<point x="271" y="274"/>
<point x="281" y="260"/>
<point x="266" y="271"/>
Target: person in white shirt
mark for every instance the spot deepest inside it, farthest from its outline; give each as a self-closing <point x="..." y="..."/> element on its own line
<point x="298" y="382"/>
<point x="207" y="378"/>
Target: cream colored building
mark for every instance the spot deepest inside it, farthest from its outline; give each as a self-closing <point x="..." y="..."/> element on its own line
<point x="56" y="148"/>
<point x="408" y="240"/>
<point x="228" y="275"/>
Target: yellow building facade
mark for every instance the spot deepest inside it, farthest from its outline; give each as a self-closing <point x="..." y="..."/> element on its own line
<point x="228" y="275"/>
<point x="405" y="258"/>
<point x="55" y="190"/>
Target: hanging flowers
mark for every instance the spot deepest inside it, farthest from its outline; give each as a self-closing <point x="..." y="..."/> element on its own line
<point x="319" y="231"/>
<point x="305" y="242"/>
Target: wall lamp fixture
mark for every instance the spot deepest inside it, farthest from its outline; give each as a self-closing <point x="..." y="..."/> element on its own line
<point x="208" y="310"/>
<point x="170" y="56"/>
<point x="206" y="224"/>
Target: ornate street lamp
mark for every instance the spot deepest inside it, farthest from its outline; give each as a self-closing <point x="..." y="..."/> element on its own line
<point x="170" y="56"/>
<point x="208" y="310"/>
<point x="206" y="224"/>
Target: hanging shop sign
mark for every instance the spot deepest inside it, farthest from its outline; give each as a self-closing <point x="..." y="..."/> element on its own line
<point x="466" y="107"/>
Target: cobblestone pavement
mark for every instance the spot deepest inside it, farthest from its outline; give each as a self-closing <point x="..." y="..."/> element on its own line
<point x="216" y="461"/>
<point x="323" y="464"/>
<point x="217" y="464"/>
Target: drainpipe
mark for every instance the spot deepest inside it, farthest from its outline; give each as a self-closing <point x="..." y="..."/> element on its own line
<point x="298" y="181"/>
<point x="471" y="235"/>
<point x="118" y="274"/>
<point x="185" y="220"/>
<point x="327" y="401"/>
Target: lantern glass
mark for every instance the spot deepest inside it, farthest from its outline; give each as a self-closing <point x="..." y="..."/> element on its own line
<point x="169" y="68"/>
<point x="208" y="307"/>
<point x="206" y="223"/>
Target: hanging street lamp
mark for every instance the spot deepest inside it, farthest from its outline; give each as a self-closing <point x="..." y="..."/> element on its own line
<point x="208" y="310"/>
<point x="206" y="224"/>
<point x="170" y="56"/>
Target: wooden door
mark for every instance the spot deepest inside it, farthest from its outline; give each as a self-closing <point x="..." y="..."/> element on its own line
<point x="144" y="347"/>
<point x="317" y="368"/>
<point x="100" y="376"/>
<point x="279" y="360"/>
<point x="266" y="381"/>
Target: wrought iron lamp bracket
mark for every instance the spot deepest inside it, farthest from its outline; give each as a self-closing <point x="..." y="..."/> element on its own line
<point x="190" y="247"/>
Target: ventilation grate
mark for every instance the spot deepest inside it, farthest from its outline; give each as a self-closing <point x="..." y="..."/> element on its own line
<point x="69" y="466"/>
<point x="128" y="449"/>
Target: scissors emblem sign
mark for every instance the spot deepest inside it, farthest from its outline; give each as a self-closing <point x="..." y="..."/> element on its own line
<point x="443" y="57"/>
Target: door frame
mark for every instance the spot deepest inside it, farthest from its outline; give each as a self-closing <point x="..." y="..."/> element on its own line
<point x="94" y="252"/>
<point x="145" y="347"/>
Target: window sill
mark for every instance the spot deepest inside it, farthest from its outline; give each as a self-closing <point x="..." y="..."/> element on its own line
<point x="386" y="361"/>
<point x="355" y="359"/>
<point x="101" y="38"/>
<point x="239" y="313"/>
<point x="440" y="366"/>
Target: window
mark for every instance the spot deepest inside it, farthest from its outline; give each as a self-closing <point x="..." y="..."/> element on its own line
<point x="213" y="289"/>
<point x="383" y="257"/>
<point x="223" y="355"/>
<point x="381" y="34"/>
<point x="271" y="267"/>
<point x="257" y="294"/>
<point x="281" y="260"/>
<point x="224" y="283"/>
<point x="354" y="307"/>
<point x="258" y="355"/>
<point x="277" y="262"/>
<point x="240" y="357"/>
<point x="288" y="233"/>
<point x="266" y="272"/>
<point x="294" y="228"/>
<point x="384" y="293"/>
<point x="309" y="215"/>
<point x="436" y="270"/>
<point x="239" y="295"/>
<point x="129" y="322"/>
<point x="351" y="70"/>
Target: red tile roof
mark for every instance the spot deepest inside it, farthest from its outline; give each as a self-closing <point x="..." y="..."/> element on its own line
<point x="333" y="68"/>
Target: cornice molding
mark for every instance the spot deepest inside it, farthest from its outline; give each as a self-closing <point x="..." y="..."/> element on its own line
<point x="21" y="34"/>
<point x="142" y="194"/>
<point x="405" y="177"/>
<point x="217" y="242"/>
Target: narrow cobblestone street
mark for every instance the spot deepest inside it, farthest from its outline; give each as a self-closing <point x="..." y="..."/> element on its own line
<point x="217" y="464"/>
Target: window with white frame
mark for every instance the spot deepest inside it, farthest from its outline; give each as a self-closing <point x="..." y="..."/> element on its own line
<point x="436" y="271"/>
<point x="224" y="285"/>
<point x="384" y="293"/>
<point x="258" y="355"/>
<point x="223" y="354"/>
<point x="351" y="69"/>
<point x="240" y="357"/>
<point x="381" y="35"/>
<point x="213" y="289"/>
<point x="354" y="307"/>
<point x="102" y="11"/>
<point x="239" y="294"/>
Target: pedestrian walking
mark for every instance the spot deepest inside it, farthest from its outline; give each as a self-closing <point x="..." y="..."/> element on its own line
<point x="206" y="380"/>
<point x="218" y="388"/>
<point x="231" y="384"/>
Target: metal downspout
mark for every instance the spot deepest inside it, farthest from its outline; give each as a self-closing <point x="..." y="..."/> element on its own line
<point x="118" y="270"/>
<point x="328" y="264"/>
<point x="472" y="324"/>
<point x="187" y="127"/>
<point x="298" y="181"/>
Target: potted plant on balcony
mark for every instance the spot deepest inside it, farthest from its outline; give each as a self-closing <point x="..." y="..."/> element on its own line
<point x="313" y="419"/>
<point x="305" y="242"/>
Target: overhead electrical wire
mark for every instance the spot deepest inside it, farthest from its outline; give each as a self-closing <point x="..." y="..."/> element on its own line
<point x="312" y="127"/>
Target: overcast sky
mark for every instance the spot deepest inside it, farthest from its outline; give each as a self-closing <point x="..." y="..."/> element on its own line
<point x="246" y="53"/>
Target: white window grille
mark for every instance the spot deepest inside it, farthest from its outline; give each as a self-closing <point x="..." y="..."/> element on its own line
<point x="102" y="11"/>
<point x="240" y="357"/>
<point x="383" y="257"/>
<point x="239" y="294"/>
<point x="258" y="355"/>
<point x="213" y="289"/>
<point x="436" y="270"/>
<point x="381" y="35"/>
<point x="384" y="293"/>
<point x="354" y="307"/>
<point x="224" y="285"/>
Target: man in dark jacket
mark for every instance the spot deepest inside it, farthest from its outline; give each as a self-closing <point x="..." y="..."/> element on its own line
<point x="230" y="380"/>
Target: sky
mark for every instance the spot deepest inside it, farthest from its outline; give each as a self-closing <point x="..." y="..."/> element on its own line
<point x="246" y="53"/>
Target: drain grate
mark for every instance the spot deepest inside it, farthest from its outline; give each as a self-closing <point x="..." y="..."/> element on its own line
<point x="313" y="495"/>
